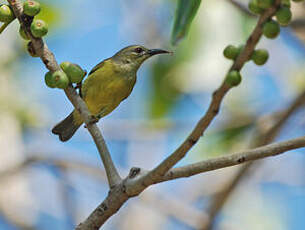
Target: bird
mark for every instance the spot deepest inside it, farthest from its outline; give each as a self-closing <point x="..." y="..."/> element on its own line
<point x="108" y="84"/>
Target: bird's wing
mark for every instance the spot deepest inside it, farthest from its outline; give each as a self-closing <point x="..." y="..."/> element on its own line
<point x="98" y="66"/>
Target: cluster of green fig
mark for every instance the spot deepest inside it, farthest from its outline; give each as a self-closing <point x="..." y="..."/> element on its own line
<point x="39" y="28"/>
<point x="6" y="14"/>
<point x="31" y="8"/>
<point x="69" y="73"/>
<point x="271" y="29"/>
<point x="259" y="57"/>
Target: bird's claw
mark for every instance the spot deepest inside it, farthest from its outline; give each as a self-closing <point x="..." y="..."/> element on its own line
<point x="93" y="120"/>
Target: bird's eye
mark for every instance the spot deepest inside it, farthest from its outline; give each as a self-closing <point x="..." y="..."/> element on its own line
<point x="138" y="50"/>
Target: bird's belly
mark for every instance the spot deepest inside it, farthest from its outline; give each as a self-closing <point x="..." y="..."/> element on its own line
<point x="102" y="99"/>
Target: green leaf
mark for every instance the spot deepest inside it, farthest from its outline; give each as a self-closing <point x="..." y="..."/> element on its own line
<point x="185" y="13"/>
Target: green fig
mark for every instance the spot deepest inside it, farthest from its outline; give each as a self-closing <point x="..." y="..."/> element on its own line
<point x="31" y="8"/>
<point x="23" y="34"/>
<point x="231" y="52"/>
<point x="254" y="8"/>
<point x="233" y="78"/>
<point x="61" y="79"/>
<point x="286" y="3"/>
<point x="74" y="71"/>
<point x="6" y="14"/>
<point x="271" y="29"/>
<point x="64" y="65"/>
<point x="283" y="16"/>
<point x="260" y="56"/>
<point x="49" y="80"/>
<point x="39" y="28"/>
<point x="265" y="4"/>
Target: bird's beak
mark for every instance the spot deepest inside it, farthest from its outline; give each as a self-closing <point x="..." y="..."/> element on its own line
<point x="157" y="51"/>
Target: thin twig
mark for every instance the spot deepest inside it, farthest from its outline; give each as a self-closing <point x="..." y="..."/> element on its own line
<point x="4" y="25"/>
<point x="234" y="159"/>
<point x="48" y="59"/>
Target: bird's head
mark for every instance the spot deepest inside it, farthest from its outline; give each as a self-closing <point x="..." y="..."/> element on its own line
<point x="133" y="56"/>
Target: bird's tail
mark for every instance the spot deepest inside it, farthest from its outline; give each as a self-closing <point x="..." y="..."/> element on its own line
<point x="67" y="127"/>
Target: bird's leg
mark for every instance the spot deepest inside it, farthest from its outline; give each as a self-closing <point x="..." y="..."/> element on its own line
<point x="79" y="87"/>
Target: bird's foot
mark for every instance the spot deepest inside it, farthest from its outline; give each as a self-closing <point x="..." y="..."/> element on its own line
<point x="93" y="120"/>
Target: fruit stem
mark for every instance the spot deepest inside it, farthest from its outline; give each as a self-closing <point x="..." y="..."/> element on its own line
<point x="4" y="25"/>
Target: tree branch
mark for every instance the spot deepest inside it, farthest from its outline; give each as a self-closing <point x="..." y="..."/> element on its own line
<point x="262" y="139"/>
<point x="234" y="159"/>
<point x="48" y="59"/>
<point x="138" y="179"/>
<point x="214" y="107"/>
<point x="119" y="195"/>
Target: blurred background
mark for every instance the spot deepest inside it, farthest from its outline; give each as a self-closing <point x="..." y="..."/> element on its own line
<point x="47" y="184"/>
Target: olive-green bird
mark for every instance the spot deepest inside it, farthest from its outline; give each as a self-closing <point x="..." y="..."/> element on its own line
<point x="107" y="85"/>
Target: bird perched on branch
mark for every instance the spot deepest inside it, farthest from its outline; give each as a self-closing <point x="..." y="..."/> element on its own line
<point x="107" y="85"/>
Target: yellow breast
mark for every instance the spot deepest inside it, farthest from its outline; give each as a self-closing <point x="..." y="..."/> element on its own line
<point x="106" y="87"/>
